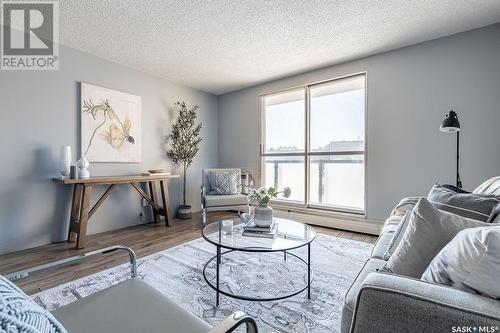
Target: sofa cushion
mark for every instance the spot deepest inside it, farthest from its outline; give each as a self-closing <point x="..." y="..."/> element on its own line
<point x="389" y="228"/>
<point x="470" y="262"/>
<point x="18" y="312"/>
<point x="470" y="205"/>
<point x="213" y="200"/>
<point x="392" y="223"/>
<point x="381" y="246"/>
<point x="429" y="230"/>
<point x="397" y="236"/>
<point x="130" y="306"/>
<point x="405" y="205"/>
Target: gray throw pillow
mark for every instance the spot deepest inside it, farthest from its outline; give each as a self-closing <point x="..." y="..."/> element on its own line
<point x="495" y="215"/>
<point x="428" y="231"/>
<point x="469" y="262"/>
<point x="470" y="205"/>
<point x="398" y="235"/>
<point x="224" y="182"/>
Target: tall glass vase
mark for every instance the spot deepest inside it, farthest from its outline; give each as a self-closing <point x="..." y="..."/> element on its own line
<point x="65" y="161"/>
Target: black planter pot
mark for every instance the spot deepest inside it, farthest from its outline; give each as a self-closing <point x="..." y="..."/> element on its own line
<point x="184" y="212"/>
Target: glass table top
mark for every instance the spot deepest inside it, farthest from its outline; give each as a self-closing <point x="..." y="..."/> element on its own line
<point x="289" y="235"/>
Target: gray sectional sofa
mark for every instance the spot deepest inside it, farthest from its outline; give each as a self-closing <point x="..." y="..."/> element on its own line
<point x="384" y="302"/>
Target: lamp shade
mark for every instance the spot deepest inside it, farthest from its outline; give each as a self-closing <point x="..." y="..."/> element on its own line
<point x="450" y="123"/>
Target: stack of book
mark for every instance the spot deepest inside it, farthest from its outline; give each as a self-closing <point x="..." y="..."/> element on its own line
<point x="252" y="230"/>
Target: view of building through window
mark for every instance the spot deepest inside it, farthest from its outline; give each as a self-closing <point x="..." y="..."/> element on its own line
<point x="313" y="141"/>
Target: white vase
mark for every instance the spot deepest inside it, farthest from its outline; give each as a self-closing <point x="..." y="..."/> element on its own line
<point x="65" y="161"/>
<point x="263" y="216"/>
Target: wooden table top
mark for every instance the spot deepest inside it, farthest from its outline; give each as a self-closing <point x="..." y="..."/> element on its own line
<point x="115" y="179"/>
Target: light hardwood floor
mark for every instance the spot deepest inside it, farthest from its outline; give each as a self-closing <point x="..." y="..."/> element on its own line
<point x="143" y="239"/>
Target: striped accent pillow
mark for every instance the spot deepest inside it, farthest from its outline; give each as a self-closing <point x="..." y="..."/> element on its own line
<point x="491" y="186"/>
<point x="469" y="205"/>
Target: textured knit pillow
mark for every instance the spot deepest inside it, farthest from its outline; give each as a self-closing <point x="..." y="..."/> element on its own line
<point x="471" y="262"/>
<point x="470" y="205"/>
<point x="428" y="231"/>
<point x="224" y="182"/>
<point x="398" y="235"/>
<point x="19" y="314"/>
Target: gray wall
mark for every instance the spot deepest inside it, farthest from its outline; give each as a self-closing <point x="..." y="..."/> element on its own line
<point x="409" y="92"/>
<point x="39" y="113"/>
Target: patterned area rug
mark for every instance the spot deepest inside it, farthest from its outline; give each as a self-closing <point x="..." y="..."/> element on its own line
<point x="177" y="272"/>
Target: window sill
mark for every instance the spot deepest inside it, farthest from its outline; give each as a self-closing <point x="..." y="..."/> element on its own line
<point x="318" y="209"/>
<point x="332" y="219"/>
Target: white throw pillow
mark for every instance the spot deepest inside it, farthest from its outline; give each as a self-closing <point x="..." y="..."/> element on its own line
<point x="471" y="262"/>
<point x="428" y="231"/>
<point x="491" y="186"/>
<point x="398" y="235"/>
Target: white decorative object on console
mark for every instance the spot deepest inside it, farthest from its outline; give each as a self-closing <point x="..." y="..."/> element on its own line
<point x="83" y="165"/>
<point x="65" y="161"/>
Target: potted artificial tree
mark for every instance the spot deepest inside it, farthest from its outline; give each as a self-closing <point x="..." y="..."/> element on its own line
<point x="185" y="144"/>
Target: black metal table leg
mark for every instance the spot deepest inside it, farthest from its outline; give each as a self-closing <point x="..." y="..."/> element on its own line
<point x="217" y="276"/>
<point x="309" y="271"/>
<point x="284" y="253"/>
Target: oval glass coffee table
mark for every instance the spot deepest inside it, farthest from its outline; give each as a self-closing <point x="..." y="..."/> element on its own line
<point x="290" y="235"/>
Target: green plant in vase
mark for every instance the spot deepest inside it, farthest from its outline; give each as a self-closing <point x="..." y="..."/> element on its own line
<point x="185" y="141"/>
<point x="263" y="215"/>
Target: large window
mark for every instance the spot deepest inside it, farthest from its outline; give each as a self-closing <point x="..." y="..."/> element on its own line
<point x="313" y="140"/>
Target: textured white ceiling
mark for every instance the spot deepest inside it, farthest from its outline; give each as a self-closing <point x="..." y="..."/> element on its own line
<point x="225" y="45"/>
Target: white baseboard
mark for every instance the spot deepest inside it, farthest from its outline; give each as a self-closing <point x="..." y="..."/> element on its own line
<point x="344" y="222"/>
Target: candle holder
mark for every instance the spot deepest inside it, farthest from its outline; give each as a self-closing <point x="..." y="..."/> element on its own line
<point x="227" y="227"/>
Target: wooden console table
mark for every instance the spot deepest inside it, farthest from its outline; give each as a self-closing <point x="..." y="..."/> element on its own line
<point x="81" y="211"/>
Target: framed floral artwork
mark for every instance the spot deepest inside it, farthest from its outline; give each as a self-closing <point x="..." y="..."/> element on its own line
<point x="110" y="125"/>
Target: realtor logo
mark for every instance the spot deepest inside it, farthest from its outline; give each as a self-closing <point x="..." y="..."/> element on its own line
<point x="30" y="35"/>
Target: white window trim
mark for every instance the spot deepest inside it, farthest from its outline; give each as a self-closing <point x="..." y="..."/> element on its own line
<point x="307" y="154"/>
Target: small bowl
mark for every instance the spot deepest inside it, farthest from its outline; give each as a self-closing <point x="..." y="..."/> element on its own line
<point x="246" y="218"/>
<point x="156" y="170"/>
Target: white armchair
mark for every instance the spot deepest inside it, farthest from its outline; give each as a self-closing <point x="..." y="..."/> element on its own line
<point x="220" y="202"/>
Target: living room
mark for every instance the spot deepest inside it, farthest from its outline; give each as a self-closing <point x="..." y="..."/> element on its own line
<point x="284" y="166"/>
